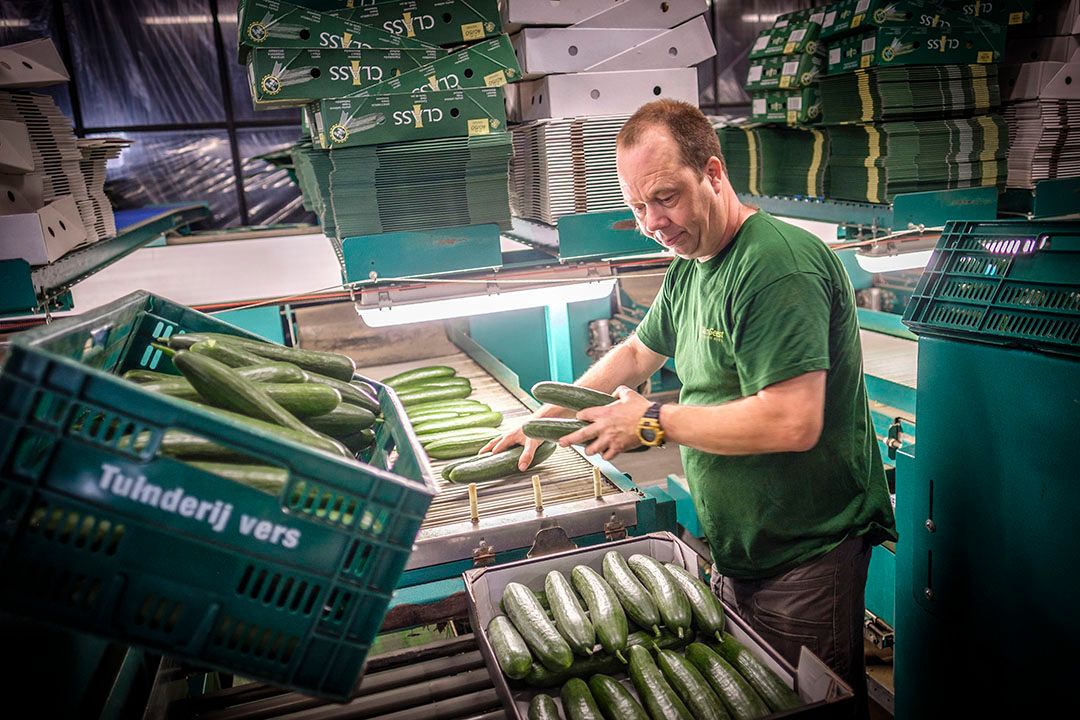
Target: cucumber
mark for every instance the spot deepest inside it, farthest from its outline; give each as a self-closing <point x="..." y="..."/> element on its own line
<point x="341" y="421"/>
<point x="330" y="364"/>
<point x="615" y="701"/>
<point x="498" y="465"/>
<point x="221" y="386"/>
<point x="543" y="707"/>
<point x="311" y="438"/>
<point x="461" y="434"/>
<point x="691" y="687"/>
<point x="230" y="354"/>
<point x="358" y="441"/>
<point x="572" y="397"/>
<point x="578" y="702"/>
<point x="569" y="617"/>
<point x="301" y="399"/>
<point x="740" y="698"/>
<point x="187" y="446"/>
<point x="349" y="393"/>
<point x="660" y="699"/>
<point x="509" y="647"/>
<point x="426" y="395"/>
<point x="433" y="415"/>
<point x="272" y="372"/>
<point x="435" y="383"/>
<point x="604" y="609"/>
<point x="538" y="632"/>
<point x="267" y="478"/>
<point x="454" y="449"/>
<point x="670" y="601"/>
<point x="144" y="376"/>
<point x="776" y="694"/>
<point x="465" y="406"/>
<point x="600" y="661"/>
<point x="492" y="418"/>
<point x="705" y="607"/>
<point x="551" y="428"/>
<point x="429" y="372"/>
<point x="633" y="596"/>
<point x="450" y="466"/>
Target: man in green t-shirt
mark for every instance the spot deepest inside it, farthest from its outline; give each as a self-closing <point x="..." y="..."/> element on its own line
<point x="775" y="432"/>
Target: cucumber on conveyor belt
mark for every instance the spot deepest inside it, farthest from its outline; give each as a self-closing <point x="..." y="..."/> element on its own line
<point x="632" y="595"/>
<point x="571" y="397"/>
<point x="614" y="700"/>
<point x="330" y="364"/>
<point x="266" y="478"/>
<point x="570" y="618"/>
<point x="605" y="611"/>
<point x="600" y="661"/>
<point x="451" y="449"/>
<point x="705" y="607"/>
<point x="539" y="633"/>
<point x="453" y="381"/>
<point x="543" y="707"/>
<point x="425" y="395"/>
<point x="693" y="689"/>
<point x="230" y="354"/>
<point x="740" y="698"/>
<point x="435" y="415"/>
<point x="578" y="702"/>
<point x="551" y="428"/>
<point x="776" y="694"/>
<point x="220" y="386"/>
<point x="471" y="433"/>
<point x="670" y="601"/>
<point x="450" y="466"/>
<point x="464" y="406"/>
<point x="341" y="421"/>
<point x="509" y="647"/>
<point x="491" y="419"/>
<point x="656" y="694"/>
<point x="498" y="465"/>
<point x="429" y="372"/>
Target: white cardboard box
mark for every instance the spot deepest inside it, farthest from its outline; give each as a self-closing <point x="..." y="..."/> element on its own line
<point x="44" y="236"/>
<point x="1040" y="80"/>
<point x="15" y="153"/>
<point x="541" y="51"/>
<point x="34" y="63"/>
<point x="21" y="193"/>
<point x="597" y="93"/>
<point x="599" y="13"/>
<point x="824" y="693"/>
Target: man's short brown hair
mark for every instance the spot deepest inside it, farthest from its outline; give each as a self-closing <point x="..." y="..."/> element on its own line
<point x="686" y="124"/>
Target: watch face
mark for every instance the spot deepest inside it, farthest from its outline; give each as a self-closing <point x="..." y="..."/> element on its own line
<point x="648" y="434"/>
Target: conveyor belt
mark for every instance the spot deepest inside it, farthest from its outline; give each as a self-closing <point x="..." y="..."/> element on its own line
<point x="445" y="679"/>
<point x="890" y="358"/>
<point x="565" y="477"/>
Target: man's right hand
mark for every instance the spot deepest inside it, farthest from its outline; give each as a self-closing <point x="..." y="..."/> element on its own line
<point x="517" y="437"/>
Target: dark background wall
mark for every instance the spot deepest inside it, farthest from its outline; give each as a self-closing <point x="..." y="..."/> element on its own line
<point x="164" y="74"/>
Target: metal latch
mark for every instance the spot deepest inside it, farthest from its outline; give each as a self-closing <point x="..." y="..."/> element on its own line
<point x="550" y="538"/>
<point x="877" y="633"/>
<point x="893" y="442"/>
<point x="614" y="529"/>
<point x="483" y="554"/>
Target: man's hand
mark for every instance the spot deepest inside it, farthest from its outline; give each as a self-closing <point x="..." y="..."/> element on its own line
<point x="509" y="440"/>
<point x="613" y="427"/>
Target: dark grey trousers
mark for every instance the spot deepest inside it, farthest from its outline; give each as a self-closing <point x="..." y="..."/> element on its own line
<point x="819" y="604"/>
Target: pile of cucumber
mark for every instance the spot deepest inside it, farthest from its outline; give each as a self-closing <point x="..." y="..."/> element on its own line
<point x="450" y="426"/>
<point x="680" y="661"/>
<point x="571" y="397"/>
<point x="307" y="396"/>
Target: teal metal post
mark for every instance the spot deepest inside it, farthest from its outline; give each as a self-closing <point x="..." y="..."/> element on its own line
<point x="560" y="355"/>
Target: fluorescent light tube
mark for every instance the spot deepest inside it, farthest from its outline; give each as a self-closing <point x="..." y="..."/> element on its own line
<point x="891" y="263"/>
<point x="485" y="304"/>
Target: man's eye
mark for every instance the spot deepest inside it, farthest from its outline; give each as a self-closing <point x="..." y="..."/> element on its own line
<point x="667" y="200"/>
<point x="639" y="209"/>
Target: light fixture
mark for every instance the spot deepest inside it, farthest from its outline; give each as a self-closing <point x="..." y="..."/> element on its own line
<point x="446" y="308"/>
<point x="892" y="255"/>
<point x="177" y="19"/>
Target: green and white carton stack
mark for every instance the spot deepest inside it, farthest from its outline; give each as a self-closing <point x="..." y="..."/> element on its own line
<point x="785" y="63"/>
<point x="403" y="108"/>
<point x="909" y="97"/>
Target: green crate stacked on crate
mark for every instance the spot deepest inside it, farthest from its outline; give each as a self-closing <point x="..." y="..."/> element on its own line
<point x="908" y="98"/>
<point x="1004" y="282"/>
<point x="105" y="535"/>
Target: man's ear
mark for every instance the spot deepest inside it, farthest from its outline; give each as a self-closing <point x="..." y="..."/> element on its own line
<point x="714" y="171"/>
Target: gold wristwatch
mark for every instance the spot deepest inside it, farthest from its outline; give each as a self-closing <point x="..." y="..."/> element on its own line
<point x="649" y="431"/>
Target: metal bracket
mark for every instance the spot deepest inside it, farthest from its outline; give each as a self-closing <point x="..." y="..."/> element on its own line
<point x="614" y="529"/>
<point x="483" y="554"/>
<point x="893" y="442"/>
<point x="877" y="632"/>
<point x="549" y="540"/>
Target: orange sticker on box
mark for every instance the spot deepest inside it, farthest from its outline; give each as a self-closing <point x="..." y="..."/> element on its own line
<point x="472" y="31"/>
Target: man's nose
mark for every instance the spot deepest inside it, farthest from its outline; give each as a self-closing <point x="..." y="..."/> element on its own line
<point x="655" y="220"/>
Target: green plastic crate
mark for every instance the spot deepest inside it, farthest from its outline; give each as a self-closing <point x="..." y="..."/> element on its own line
<point x="107" y="538"/>
<point x="1004" y="282"/>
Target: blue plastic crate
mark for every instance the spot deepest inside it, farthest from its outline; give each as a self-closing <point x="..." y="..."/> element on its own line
<point x="1003" y="282"/>
<point x="101" y="534"/>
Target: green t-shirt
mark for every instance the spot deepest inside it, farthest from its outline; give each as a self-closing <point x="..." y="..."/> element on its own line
<point x="774" y="304"/>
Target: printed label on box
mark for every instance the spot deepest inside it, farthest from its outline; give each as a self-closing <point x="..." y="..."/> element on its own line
<point x="480" y="126"/>
<point x="495" y="79"/>
<point x="762" y="43"/>
<point x="860" y="7"/>
<point x="1016" y="18"/>
<point x="985" y="56"/>
<point x="797" y="35"/>
<point x="834" y="56"/>
<point x="759" y="106"/>
<point x="865" y="60"/>
<point x="830" y="18"/>
<point x="817" y="18"/>
<point x="754" y="75"/>
<point x="869" y="44"/>
<point x="790" y="68"/>
<point x="472" y="31"/>
<point x="794" y="103"/>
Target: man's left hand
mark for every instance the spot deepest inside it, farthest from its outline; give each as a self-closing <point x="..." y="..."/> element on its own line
<point x="613" y="427"/>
